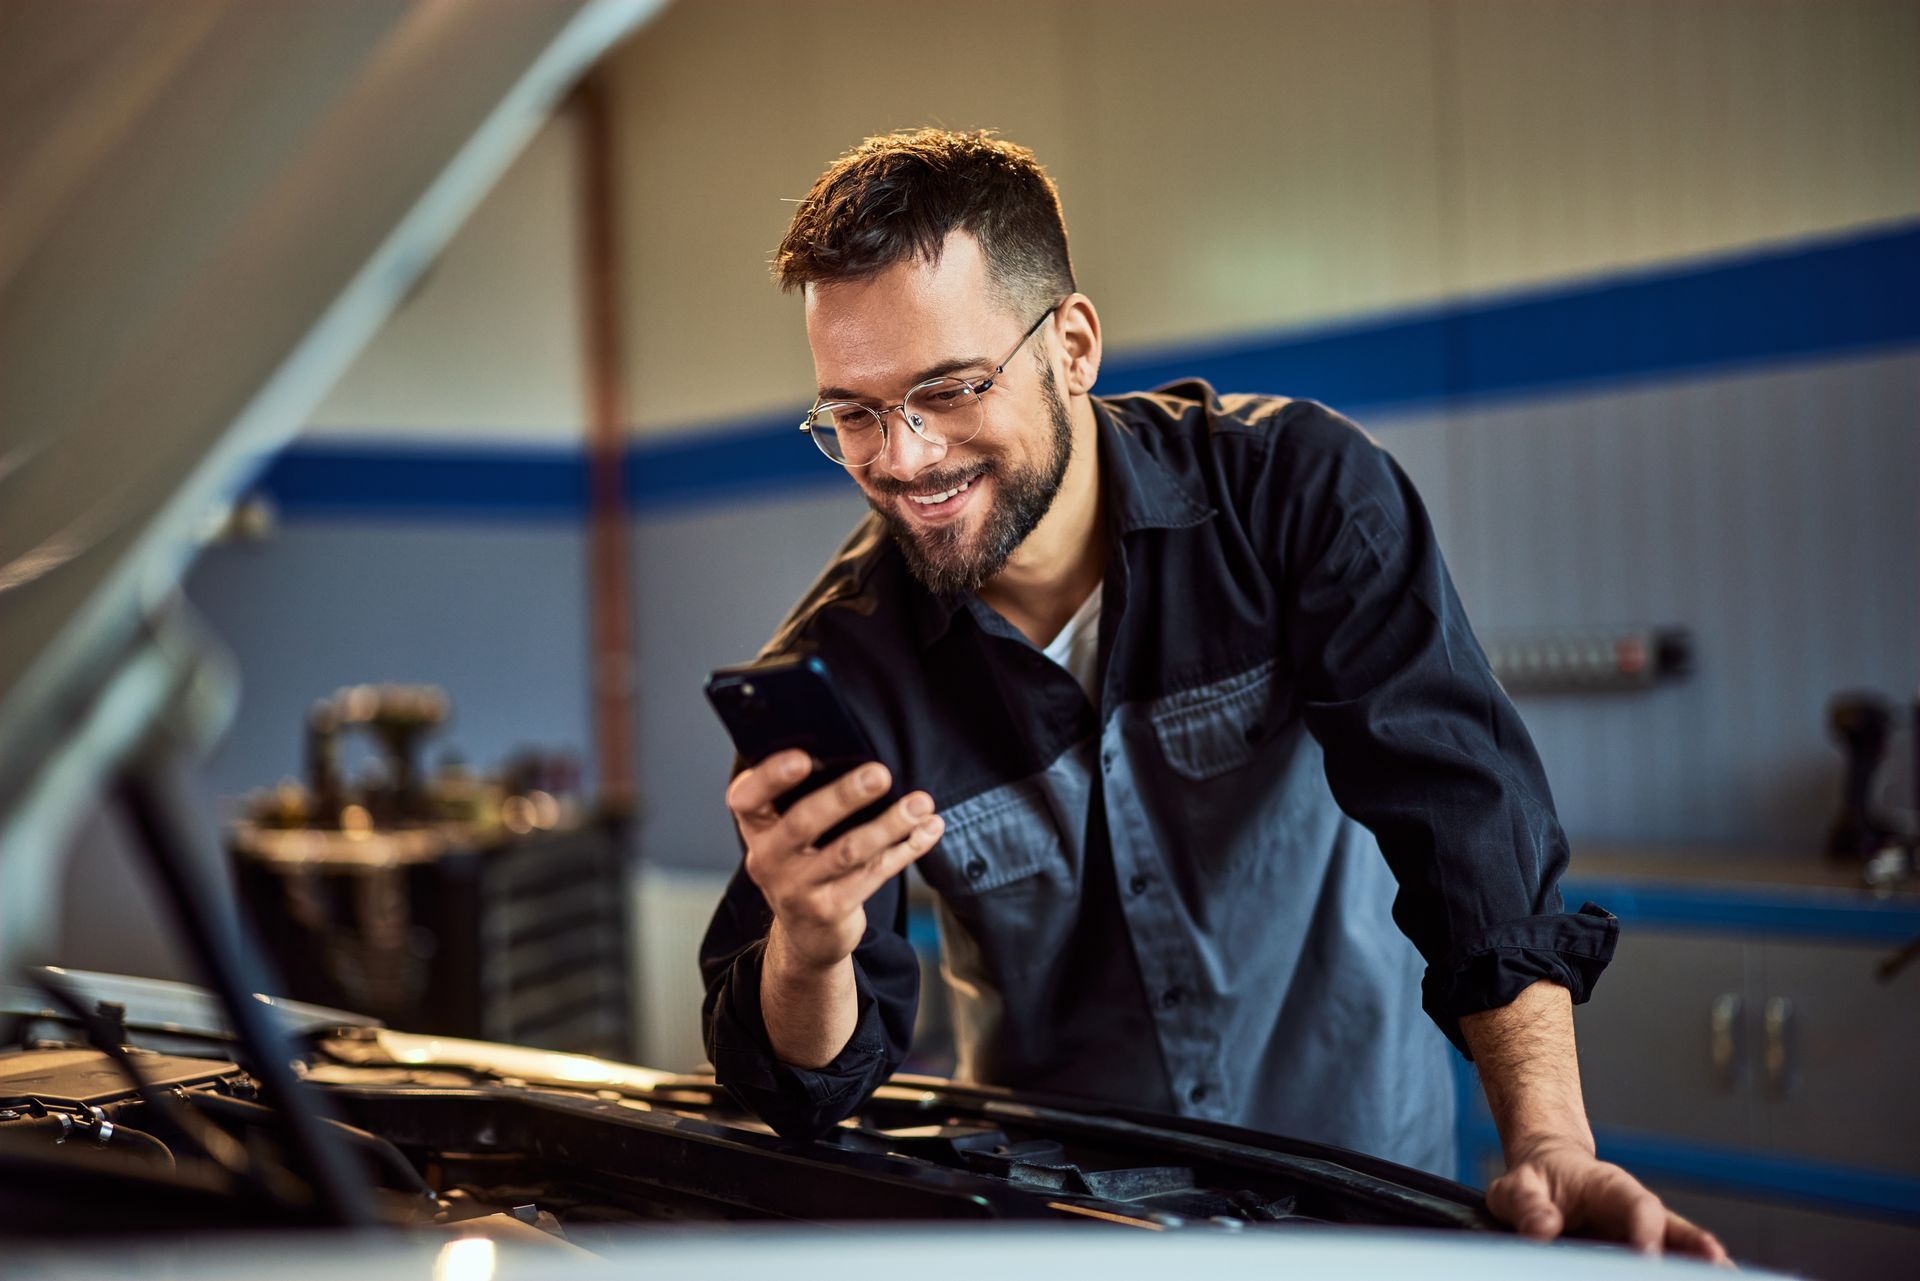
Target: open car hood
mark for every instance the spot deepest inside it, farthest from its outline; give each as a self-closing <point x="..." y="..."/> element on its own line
<point x="211" y="205"/>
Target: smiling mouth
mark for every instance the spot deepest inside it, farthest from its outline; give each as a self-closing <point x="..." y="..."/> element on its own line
<point x="929" y="500"/>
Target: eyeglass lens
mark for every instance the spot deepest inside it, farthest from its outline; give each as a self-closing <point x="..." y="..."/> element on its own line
<point x="943" y="412"/>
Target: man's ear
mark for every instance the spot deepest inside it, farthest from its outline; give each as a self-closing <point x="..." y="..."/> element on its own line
<point x="1080" y="339"/>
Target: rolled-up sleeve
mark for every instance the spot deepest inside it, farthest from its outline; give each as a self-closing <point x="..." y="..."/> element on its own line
<point x="1422" y="745"/>
<point x="803" y="1103"/>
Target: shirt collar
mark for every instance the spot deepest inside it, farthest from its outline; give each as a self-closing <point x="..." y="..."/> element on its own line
<point x="1140" y="493"/>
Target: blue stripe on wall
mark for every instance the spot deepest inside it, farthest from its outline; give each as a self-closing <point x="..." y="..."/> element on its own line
<point x="366" y="480"/>
<point x="740" y="460"/>
<point x="1839" y="915"/>
<point x="1834" y="297"/>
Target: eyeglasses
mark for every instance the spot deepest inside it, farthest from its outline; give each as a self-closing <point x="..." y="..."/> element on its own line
<point x="941" y="411"/>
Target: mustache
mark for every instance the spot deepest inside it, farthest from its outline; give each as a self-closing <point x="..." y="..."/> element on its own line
<point x="927" y="482"/>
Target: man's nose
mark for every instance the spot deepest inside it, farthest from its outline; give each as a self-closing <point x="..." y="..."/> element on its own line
<point x="908" y="453"/>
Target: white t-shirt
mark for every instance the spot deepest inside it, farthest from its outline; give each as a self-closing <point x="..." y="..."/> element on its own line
<point x="1077" y="647"/>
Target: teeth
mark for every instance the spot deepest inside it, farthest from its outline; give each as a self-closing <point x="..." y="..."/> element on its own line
<point x="931" y="499"/>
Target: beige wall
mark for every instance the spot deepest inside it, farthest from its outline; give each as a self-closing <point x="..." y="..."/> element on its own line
<point x="1597" y="135"/>
<point x="487" y="347"/>
<point x="1228" y="166"/>
<point x="1240" y="166"/>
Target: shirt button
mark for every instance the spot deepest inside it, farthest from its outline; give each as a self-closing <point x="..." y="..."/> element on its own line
<point x="1171" y="997"/>
<point x="976" y="868"/>
<point x="1138" y="884"/>
<point x="1106" y="758"/>
<point x="1198" y="1094"/>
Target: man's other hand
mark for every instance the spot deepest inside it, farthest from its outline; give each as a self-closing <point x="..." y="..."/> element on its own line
<point x="1559" y="1187"/>
<point x="1554" y="1184"/>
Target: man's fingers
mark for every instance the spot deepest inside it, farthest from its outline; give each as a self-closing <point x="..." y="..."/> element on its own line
<point x="897" y="858"/>
<point x="1646" y="1223"/>
<point x="847" y="891"/>
<point x="1544" y="1197"/>
<point x="1522" y="1198"/>
<point x="863" y="844"/>
<point x="1686" y="1237"/>
<point x="814" y="813"/>
<point x="751" y="794"/>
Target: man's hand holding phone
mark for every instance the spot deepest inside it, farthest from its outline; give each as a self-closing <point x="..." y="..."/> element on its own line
<point x="819" y="894"/>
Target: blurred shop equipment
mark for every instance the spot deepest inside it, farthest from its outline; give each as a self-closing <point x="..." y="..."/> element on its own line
<point x="1588" y="660"/>
<point x="459" y="904"/>
<point x="1861" y="722"/>
<point x="1871" y="831"/>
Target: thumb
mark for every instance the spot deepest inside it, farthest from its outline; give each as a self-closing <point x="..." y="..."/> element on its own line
<point x="1522" y="1198"/>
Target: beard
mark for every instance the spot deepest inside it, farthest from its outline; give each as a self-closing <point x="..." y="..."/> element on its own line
<point x="942" y="558"/>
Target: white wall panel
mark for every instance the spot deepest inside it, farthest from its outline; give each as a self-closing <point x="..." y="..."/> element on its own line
<point x="1770" y="513"/>
<point x="713" y="586"/>
<point x="671" y="908"/>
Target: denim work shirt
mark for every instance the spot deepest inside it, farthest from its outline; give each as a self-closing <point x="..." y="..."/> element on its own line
<point x="1177" y="899"/>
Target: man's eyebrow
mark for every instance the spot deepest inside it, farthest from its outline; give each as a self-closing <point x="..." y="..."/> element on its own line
<point x="940" y="370"/>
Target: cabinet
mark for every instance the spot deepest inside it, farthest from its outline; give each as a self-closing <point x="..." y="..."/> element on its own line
<point x="1651" y="1057"/>
<point x="1844" y="1080"/>
<point x="1787" y="1046"/>
<point x="1789" y="1050"/>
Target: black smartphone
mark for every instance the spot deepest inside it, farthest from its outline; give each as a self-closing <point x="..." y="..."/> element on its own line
<point x="790" y="702"/>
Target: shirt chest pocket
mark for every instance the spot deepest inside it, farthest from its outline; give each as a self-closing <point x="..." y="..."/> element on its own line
<point x="1217" y="728"/>
<point x="997" y="841"/>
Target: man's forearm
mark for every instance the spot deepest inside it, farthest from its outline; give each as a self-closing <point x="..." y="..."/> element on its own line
<point x="1530" y="1071"/>
<point x="810" y="1012"/>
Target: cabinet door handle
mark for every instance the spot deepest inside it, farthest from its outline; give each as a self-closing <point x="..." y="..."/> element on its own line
<point x="1725" y="1024"/>
<point x="1778" y="1022"/>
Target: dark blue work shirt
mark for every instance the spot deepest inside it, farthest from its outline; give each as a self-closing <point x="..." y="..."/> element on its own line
<point x="1178" y="899"/>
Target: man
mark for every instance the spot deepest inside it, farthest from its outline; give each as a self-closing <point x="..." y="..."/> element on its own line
<point x="1169" y="664"/>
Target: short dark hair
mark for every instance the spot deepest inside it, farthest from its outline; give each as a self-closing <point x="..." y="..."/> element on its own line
<point x="900" y="195"/>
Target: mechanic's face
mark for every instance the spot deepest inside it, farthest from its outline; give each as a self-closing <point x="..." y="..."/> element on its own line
<point x="957" y="512"/>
